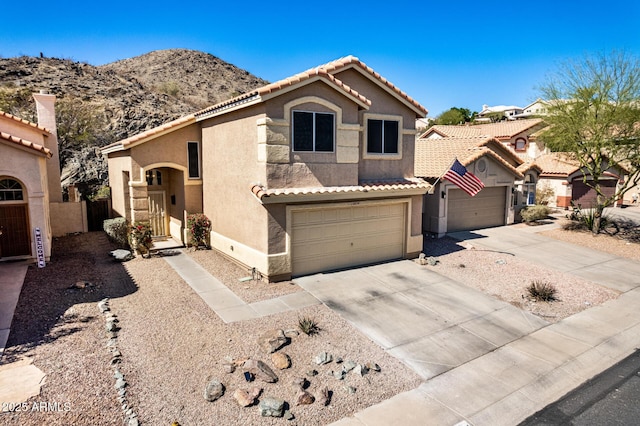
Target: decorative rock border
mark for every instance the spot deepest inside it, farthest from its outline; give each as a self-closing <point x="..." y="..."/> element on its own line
<point x="112" y="328"/>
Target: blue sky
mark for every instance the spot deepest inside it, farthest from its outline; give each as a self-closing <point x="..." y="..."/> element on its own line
<point x="443" y="54"/>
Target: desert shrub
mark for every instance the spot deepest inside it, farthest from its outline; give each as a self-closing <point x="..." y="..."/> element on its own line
<point x="308" y="326"/>
<point x="586" y="219"/>
<point x="116" y="230"/>
<point x="544" y="194"/>
<point x="170" y="88"/>
<point x="542" y="291"/>
<point x="533" y="213"/>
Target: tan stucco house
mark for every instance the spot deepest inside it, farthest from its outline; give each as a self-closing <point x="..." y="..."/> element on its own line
<point x="448" y="208"/>
<point x="29" y="181"/>
<point x="311" y="173"/>
<point x="518" y="135"/>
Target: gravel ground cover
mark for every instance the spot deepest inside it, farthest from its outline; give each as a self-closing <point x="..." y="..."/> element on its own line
<point x="172" y="342"/>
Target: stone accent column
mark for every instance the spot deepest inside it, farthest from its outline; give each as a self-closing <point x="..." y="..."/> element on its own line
<point x="139" y="203"/>
<point x="273" y="141"/>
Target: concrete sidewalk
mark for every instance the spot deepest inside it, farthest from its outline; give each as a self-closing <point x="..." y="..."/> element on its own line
<point x="512" y="382"/>
<point x="11" y="280"/>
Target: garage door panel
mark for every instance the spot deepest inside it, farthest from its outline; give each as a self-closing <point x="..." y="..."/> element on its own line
<point x="346" y="236"/>
<point x="484" y="210"/>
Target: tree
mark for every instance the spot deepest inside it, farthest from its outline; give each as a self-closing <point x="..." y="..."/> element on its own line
<point x="455" y="115"/>
<point x="594" y="116"/>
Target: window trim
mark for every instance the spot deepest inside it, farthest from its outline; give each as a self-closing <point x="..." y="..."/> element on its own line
<point x="199" y="161"/>
<point x="333" y="134"/>
<point x="23" y="198"/>
<point x="365" y="144"/>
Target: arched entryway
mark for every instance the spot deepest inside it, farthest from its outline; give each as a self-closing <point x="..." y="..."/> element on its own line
<point x="14" y="219"/>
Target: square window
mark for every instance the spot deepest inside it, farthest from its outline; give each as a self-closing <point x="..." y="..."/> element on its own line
<point x="382" y="136"/>
<point x="313" y="131"/>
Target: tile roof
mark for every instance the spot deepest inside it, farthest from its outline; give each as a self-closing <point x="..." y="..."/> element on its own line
<point x="352" y="61"/>
<point x="24" y="122"/>
<point x="434" y="156"/>
<point x="557" y="164"/>
<point x="262" y="192"/>
<point x="326" y="72"/>
<point x="25" y="143"/>
<point x="500" y="130"/>
<point x="300" y="78"/>
<point x="149" y="134"/>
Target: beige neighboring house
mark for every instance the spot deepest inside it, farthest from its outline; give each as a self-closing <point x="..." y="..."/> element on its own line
<point x="448" y="208"/>
<point x="563" y="174"/>
<point x="308" y="174"/>
<point x="30" y="190"/>
<point x="518" y="135"/>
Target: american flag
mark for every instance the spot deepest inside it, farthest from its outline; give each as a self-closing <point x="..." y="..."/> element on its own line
<point x="466" y="180"/>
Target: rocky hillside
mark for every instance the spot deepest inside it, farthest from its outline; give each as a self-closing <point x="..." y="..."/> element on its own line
<point x="125" y="97"/>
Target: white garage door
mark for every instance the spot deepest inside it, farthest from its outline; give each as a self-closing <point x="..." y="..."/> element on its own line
<point x="331" y="238"/>
<point x="484" y="210"/>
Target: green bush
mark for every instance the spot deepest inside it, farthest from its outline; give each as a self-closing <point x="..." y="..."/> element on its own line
<point x="200" y="226"/>
<point x="139" y="237"/>
<point x="116" y="230"/>
<point x="534" y="213"/>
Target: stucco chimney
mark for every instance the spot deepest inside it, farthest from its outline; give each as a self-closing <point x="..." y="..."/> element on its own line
<point x="45" y="107"/>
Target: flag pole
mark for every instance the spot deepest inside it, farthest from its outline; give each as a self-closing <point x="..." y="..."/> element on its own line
<point x="445" y="172"/>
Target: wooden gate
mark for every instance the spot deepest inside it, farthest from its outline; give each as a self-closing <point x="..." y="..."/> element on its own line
<point x="97" y="212"/>
<point x="14" y="229"/>
<point x="157" y="216"/>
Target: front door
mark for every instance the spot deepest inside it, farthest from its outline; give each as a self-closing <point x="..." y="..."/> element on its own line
<point x="14" y="231"/>
<point x="157" y="213"/>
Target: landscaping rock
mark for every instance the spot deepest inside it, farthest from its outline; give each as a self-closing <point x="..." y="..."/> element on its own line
<point x="261" y="370"/>
<point x="281" y="360"/>
<point x="243" y="398"/>
<point x="324" y="397"/>
<point x="373" y="366"/>
<point x="323" y="358"/>
<point x="360" y="370"/>
<point x="272" y="340"/>
<point x="348" y="366"/>
<point x="122" y="255"/>
<point x="213" y="390"/>
<point x="301" y="382"/>
<point x="304" y="398"/>
<point x="291" y="333"/>
<point x="271" y="407"/>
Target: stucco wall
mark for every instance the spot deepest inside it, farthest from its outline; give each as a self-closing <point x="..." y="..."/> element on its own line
<point x="30" y="169"/>
<point x="230" y="166"/>
<point x="68" y="218"/>
<point x="119" y="165"/>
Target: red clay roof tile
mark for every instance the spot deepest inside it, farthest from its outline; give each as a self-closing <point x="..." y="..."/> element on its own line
<point x="25" y="143"/>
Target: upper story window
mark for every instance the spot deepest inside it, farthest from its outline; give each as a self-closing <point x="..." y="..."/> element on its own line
<point x="10" y="190"/>
<point x="193" y="158"/>
<point x="313" y="131"/>
<point x="521" y="144"/>
<point x="382" y="136"/>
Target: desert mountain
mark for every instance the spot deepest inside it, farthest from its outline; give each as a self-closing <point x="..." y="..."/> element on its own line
<point x="117" y="100"/>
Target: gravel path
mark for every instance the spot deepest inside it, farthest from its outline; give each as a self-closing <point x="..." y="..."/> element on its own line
<point x="172" y="342"/>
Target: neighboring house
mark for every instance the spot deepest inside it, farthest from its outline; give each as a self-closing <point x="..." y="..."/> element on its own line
<point x="537" y="108"/>
<point x="519" y="135"/>
<point x="448" y="208"/>
<point x="308" y="174"/>
<point x="565" y="177"/>
<point x="490" y="113"/>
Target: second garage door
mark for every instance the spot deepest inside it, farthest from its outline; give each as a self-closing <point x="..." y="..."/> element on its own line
<point x="323" y="239"/>
<point x="485" y="209"/>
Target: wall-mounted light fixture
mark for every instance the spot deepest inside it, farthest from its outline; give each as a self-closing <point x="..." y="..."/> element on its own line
<point x="443" y="195"/>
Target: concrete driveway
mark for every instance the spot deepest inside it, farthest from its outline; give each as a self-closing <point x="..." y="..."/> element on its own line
<point x="431" y="323"/>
